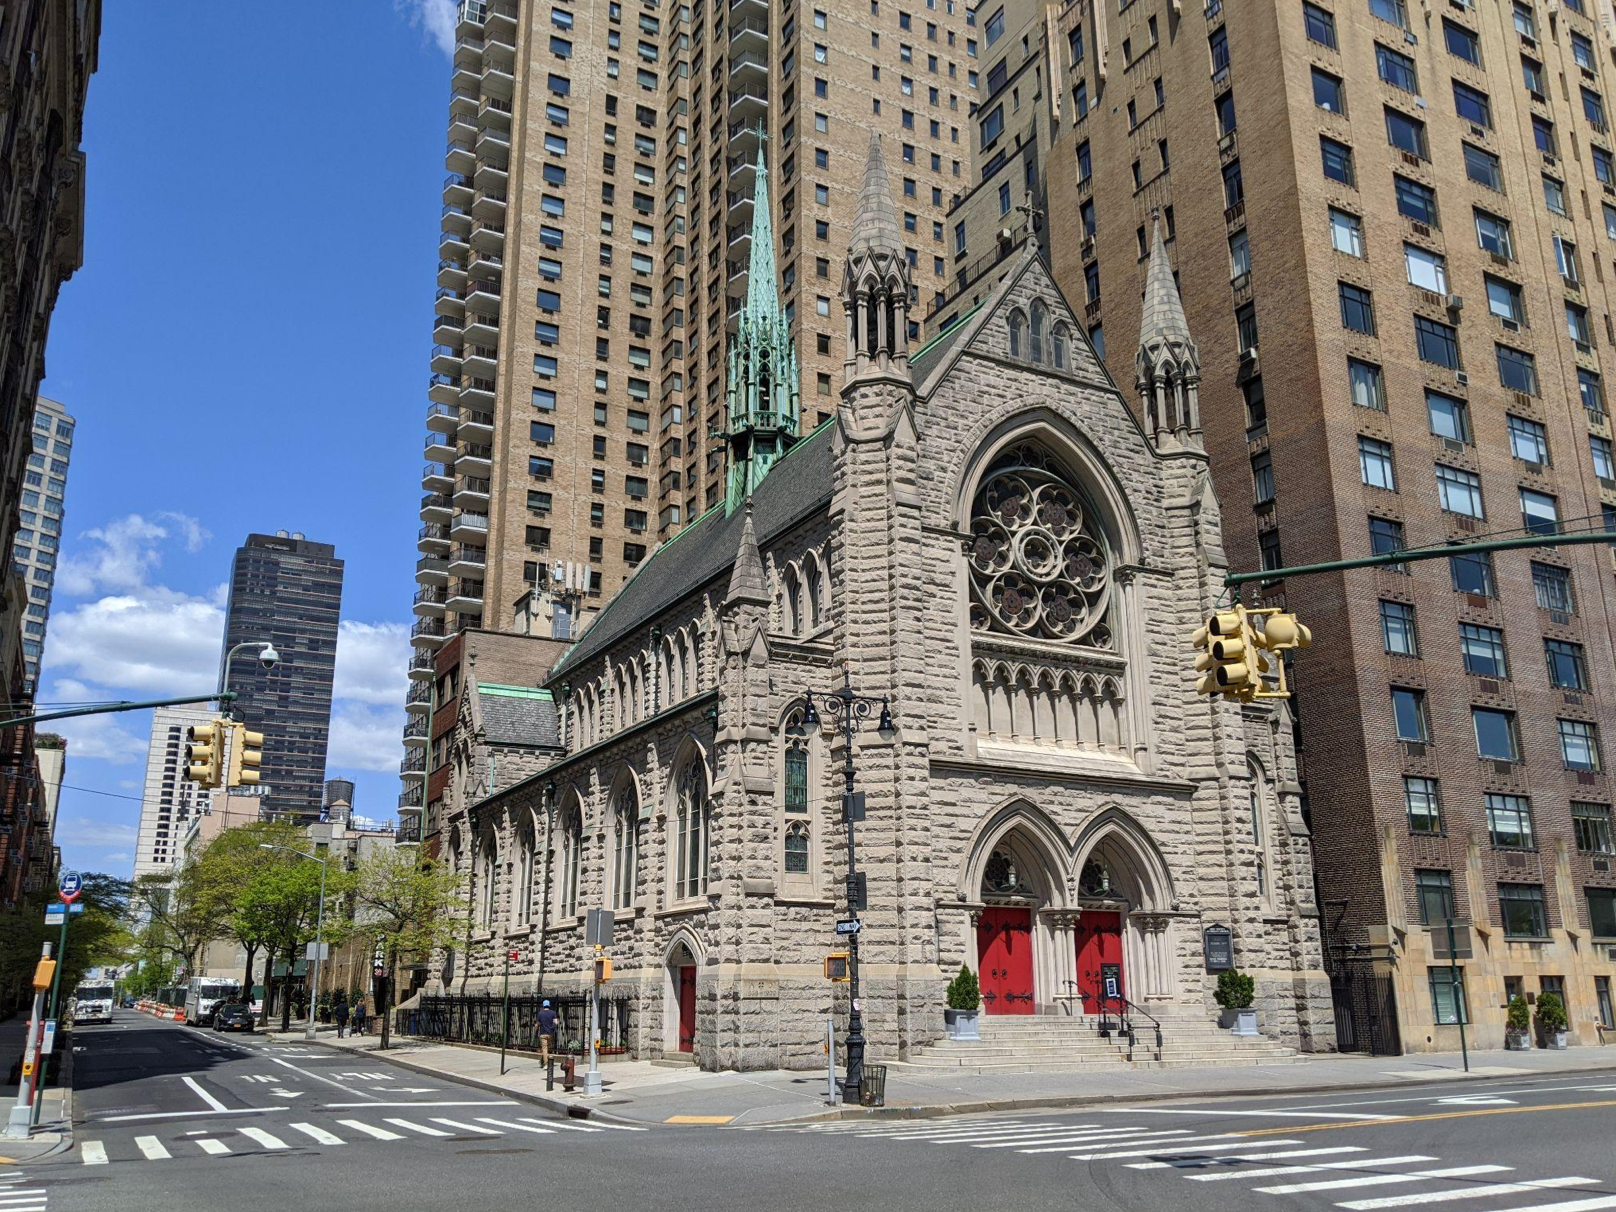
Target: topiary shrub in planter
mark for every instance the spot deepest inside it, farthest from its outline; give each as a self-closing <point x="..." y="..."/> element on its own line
<point x="964" y="1005"/>
<point x="1235" y="993"/>
<point x="1551" y="1020"/>
<point x="1517" y="1025"/>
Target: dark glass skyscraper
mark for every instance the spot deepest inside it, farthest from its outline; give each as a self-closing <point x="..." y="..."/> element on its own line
<point x="288" y="591"/>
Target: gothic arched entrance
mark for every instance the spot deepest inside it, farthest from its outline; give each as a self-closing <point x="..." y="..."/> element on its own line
<point x="1101" y="969"/>
<point x="679" y="1031"/>
<point x="1122" y="934"/>
<point x="1013" y="887"/>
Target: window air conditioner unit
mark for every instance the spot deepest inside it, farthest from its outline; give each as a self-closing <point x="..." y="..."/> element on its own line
<point x="1461" y="378"/>
<point x="1455" y="302"/>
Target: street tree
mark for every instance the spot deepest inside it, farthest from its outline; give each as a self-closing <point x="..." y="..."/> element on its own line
<point x="97" y="936"/>
<point x="413" y="907"/>
<point x="227" y="867"/>
<point x="279" y="905"/>
<point x="179" y="921"/>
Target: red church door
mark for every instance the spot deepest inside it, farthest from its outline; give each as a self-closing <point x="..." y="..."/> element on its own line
<point x="687" y="1009"/>
<point x="1099" y="960"/>
<point x="1004" y="958"/>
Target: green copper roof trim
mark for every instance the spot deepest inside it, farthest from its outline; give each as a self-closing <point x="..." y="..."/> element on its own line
<point x="513" y="692"/>
<point x="762" y="293"/>
<point x="947" y="332"/>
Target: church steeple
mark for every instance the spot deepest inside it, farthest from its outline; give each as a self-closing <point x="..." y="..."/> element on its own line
<point x="1167" y="366"/>
<point x="762" y="364"/>
<point x="875" y="284"/>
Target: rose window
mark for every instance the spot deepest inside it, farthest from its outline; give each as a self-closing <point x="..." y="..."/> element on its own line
<point x="1038" y="565"/>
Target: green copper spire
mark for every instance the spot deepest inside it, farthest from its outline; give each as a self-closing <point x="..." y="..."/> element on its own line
<point x="762" y="364"/>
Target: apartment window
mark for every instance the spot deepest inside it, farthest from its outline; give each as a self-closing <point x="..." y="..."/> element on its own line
<point x="1591" y="390"/>
<point x="1426" y="269"/>
<point x="1579" y="745"/>
<point x="1423" y="804"/>
<point x="1434" y="891"/>
<point x="1591" y="825"/>
<point x="1449" y="416"/>
<point x="1256" y="406"/>
<point x="1483" y="167"/>
<point x="1397" y="629"/>
<point x="1517" y="370"/>
<point x="1337" y="159"/>
<point x="1593" y="108"/>
<point x="1346" y="232"/>
<point x="1367" y="386"/>
<point x="1262" y="477"/>
<point x="1461" y="43"/>
<point x="1357" y="308"/>
<point x="1406" y="133"/>
<point x="1532" y="76"/>
<point x="1447" y="994"/>
<point x="1483" y="650"/>
<point x="1234" y="190"/>
<point x="1510" y="821"/>
<point x="1245" y="322"/>
<point x="1567" y="669"/>
<point x="1319" y="24"/>
<point x="1268" y="550"/>
<point x="1437" y="342"/>
<point x="1553" y="195"/>
<point x="1375" y="463"/>
<point x="1495" y="734"/>
<point x="1390" y="10"/>
<point x="1604" y="456"/>
<point x="1577" y="326"/>
<point x="1565" y="259"/>
<point x="1602" y="922"/>
<point x="1520" y="907"/>
<point x="1328" y="92"/>
<point x="1473" y="573"/>
<point x="1459" y="491"/>
<point x="1552" y="585"/>
<point x="1386" y="538"/>
<point x="1408" y="713"/>
<point x="1540" y="512"/>
<point x="539" y="468"/>
<point x="1085" y="164"/>
<point x="1395" y="69"/>
<point x="1218" y="44"/>
<point x="1543" y="136"/>
<point x="1416" y="201"/>
<point x="1504" y="300"/>
<point x="1472" y="105"/>
<point x="1493" y="235"/>
<point x="1528" y="439"/>
<point x="1604" y="167"/>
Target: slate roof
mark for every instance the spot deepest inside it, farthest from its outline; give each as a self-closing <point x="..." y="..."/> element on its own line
<point x="796" y="486"/>
<point x="518" y="715"/>
<point x="875" y="226"/>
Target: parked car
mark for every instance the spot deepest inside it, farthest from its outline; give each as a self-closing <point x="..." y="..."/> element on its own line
<point x="233" y="1016"/>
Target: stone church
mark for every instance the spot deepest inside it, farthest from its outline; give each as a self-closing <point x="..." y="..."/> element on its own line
<point x="989" y="540"/>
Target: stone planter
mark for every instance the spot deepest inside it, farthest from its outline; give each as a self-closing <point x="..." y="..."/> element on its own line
<point x="1239" y="1022"/>
<point x="1554" y="1039"/>
<point x="962" y="1023"/>
<point x="1517" y="1041"/>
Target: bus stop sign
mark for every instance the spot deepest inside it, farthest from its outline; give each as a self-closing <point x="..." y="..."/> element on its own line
<point x="70" y="886"/>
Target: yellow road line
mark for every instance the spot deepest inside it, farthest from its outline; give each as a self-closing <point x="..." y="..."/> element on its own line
<point x="698" y="1119"/>
<point x="1414" y="1119"/>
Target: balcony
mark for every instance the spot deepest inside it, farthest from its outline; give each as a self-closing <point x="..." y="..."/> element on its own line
<point x="749" y="10"/>
<point x="471" y="492"/>
<point x="445" y="330"/>
<point x="494" y="141"/>
<point x="472" y="527"/>
<point x="436" y="478"/>
<point x="477" y="393"/>
<point x="749" y="32"/>
<point x="481" y="327"/>
<point x="455" y="218"/>
<point x="409" y="801"/>
<point x="452" y="264"/>
<point x="446" y="361"/>
<point x="746" y="64"/>
<point x="423" y="667"/>
<point x="499" y="77"/>
<point x="494" y="113"/>
<point x="466" y="74"/>
<point x="474" y="459"/>
<point x="408" y="833"/>
<point x="427" y="633"/>
<point x="419" y="699"/>
<point x="740" y="205"/>
<point x="737" y="271"/>
<point x="435" y="507"/>
<point x="440" y="448"/>
<point x="743" y="136"/>
<point x="445" y="418"/>
<point x="415" y="732"/>
<point x="488" y="205"/>
<point x="445" y="389"/>
<point x="462" y="119"/>
<point x="488" y="237"/>
<point x="499" y="21"/>
<point x="480" y="361"/>
<point x="428" y="603"/>
<point x="483" y="293"/>
<point x="466" y="598"/>
<point x="449" y="302"/>
<point x="432" y="539"/>
<point x="749" y="102"/>
<point x="740" y="239"/>
<point x="460" y="156"/>
<point x="457" y="190"/>
<point x="413" y="765"/>
<point x="742" y="171"/>
<point x="476" y="426"/>
<point x="467" y="561"/>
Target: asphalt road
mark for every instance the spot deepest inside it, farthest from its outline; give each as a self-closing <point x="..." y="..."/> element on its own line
<point x="174" y="1120"/>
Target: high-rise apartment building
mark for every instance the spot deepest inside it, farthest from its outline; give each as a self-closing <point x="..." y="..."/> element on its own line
<point x="35" y="550"/>
<point x="1394" y="232"/>
<point x="595" y="253"/>
<point x="288" y="591"/>
<point x="168" y="799"/>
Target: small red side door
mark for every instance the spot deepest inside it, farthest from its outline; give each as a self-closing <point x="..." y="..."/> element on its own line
<point x="1004" y="957"/>
<point x="1099" y="956"/>
<point x="687" y="1009"/>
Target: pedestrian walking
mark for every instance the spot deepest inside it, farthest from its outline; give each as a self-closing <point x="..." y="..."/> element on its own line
<point x="359" y="1018"/>
<point x="548" y="1022"/>
<point x="342" y="1018"/>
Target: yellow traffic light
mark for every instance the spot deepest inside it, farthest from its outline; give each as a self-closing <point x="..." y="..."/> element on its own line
<point x="246" y="755"/>
<point x="204" y="753"/>
<point x="1281" y="632"/>
<point x="836" y="967"/>
<point x="603" y="969"/>
<point x="1236" y="655"/>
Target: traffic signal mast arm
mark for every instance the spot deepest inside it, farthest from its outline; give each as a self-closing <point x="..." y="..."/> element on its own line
<point x="223" y="698"/>
<point x="1409" y="555"/>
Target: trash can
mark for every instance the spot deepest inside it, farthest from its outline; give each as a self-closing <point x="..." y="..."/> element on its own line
<point x="873" y="1086"/>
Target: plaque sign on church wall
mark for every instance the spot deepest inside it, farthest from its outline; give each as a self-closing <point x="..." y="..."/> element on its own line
<point x="1219" y="949"/>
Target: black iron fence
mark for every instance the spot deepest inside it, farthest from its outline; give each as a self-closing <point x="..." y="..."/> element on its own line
<point x="481" y="1020"/>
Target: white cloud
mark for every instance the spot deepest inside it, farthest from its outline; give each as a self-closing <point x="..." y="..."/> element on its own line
<point x="121" y="555"/>
<point x="155" y="639"/>
<point x="103" y="738"/>
<point x="364" y="738"/>
<point x="81" y="831"/>
<point x="435" y="19"/>
<point x="372" y="659"/>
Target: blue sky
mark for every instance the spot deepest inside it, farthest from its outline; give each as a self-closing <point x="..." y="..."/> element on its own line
<point x="245" y="349"/>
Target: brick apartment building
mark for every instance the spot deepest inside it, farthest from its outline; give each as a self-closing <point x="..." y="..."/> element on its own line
<point x="1394" y="250"/>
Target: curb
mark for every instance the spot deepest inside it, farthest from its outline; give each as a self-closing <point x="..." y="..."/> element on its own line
<point x="548" y="1102"/>
<point x="1056" y="1101"/>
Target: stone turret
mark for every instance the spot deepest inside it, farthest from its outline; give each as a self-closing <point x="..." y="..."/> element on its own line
<point x="1167" y="366"/>
<point x="875" y="284"/>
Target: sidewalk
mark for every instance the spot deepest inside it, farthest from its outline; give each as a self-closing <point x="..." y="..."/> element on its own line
<point x="659" y="1092"/>
<point x="54" y="1131"/>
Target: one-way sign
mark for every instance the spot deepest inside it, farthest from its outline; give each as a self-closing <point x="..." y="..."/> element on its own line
<point x="851" y="925"/>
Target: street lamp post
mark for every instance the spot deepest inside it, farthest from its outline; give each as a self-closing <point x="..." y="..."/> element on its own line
<point x="848" y="711"/>
<point x="319" y="929"/>
<point x="266" y="654"/>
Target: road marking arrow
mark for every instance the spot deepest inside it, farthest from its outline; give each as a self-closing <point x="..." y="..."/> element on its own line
<point x="408" y="1089"/>
<point x="287" y="1093"/>
<point x="1477" y="1100"/>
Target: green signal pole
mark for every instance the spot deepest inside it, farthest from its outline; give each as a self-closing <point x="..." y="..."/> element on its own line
<point x="56" y="984"/>
<point x="1409" y="555"/>
<point x="223" y="697"/>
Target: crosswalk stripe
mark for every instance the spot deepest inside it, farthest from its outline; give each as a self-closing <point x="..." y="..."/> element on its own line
<point x="94" y="1153"/>
<point x="318" y="1135"/>
<point x="215" y="1147"/>
<point x="415" y="1127"/>
<point x="505" y="1123"/>
<point x="455" y="1123"/>
<point x="1058" y="1144"/>
<point x="1573" y="1205"/>
<point x="152" y="1148"/>
<point x="378" y="1133"/>
<point x="1378" y="1180"/>
<point x="263" y="1138"/>
<point x="1437" y="1197"/>
<point x="556" y="1123"/>
<point x="1175" y="1147"/>
<point x="602" y="1124"/>
<point x="958" y="1131"/>
<point x="1214" y="1159"/>
<point x="1357" y="1163"/>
